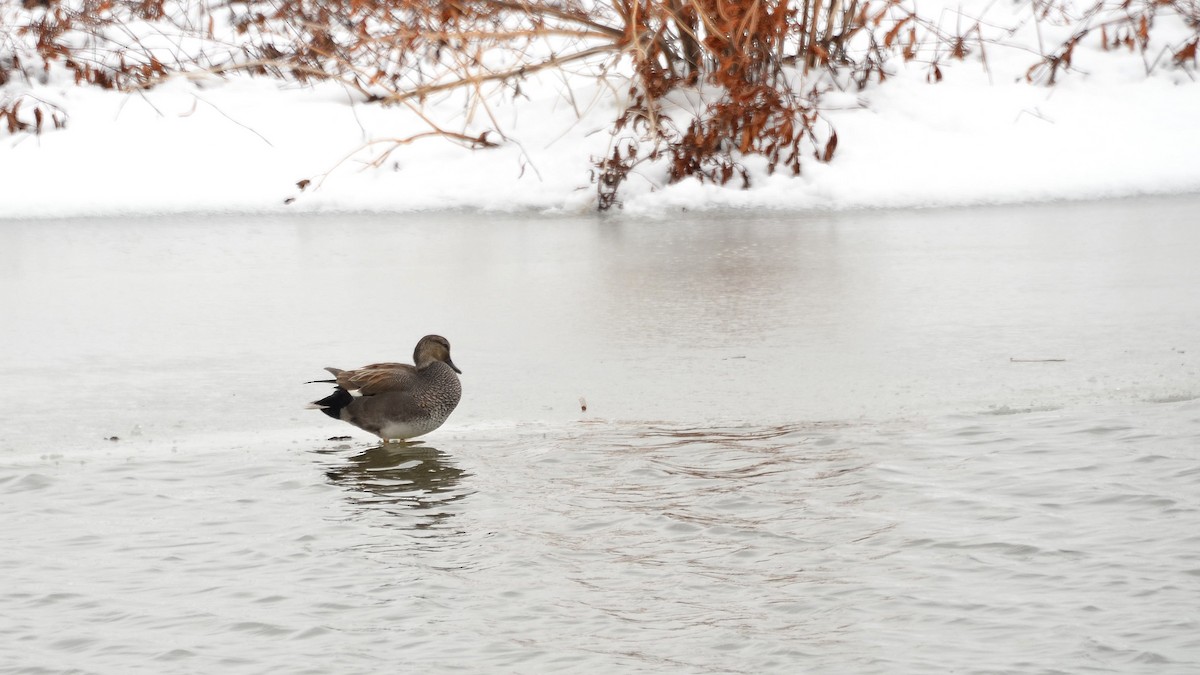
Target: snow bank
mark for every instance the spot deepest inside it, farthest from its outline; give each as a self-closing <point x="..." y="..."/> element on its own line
<point x="982" y="135"/>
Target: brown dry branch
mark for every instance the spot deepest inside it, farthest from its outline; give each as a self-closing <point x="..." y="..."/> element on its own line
<point x="1060" y="59"/>
<point x="470" y="142"/>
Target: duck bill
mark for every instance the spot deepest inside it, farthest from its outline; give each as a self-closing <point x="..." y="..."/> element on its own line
<point x="453" y="367"/>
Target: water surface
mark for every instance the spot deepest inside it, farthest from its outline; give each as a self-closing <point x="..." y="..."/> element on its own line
<point x="897" y="442"/>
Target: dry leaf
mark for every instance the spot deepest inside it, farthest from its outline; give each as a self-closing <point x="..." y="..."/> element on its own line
<point x="830" y="147"/>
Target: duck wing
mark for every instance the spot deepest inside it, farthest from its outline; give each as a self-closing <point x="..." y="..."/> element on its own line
<point x="376" y="378"/>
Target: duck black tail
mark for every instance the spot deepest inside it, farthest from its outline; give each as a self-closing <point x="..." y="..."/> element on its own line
<point x="332" y="404"/>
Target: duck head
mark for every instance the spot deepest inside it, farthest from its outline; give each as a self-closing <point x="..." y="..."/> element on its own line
<point x="433" y="348"/>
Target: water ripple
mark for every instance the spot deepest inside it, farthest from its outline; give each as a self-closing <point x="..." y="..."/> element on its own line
<point x="1037" y="542"/>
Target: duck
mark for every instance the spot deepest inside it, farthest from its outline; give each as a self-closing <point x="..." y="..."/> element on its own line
<point x="397" y="401"/>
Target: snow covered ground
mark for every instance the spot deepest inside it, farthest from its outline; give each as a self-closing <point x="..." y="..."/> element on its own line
<point x="982" y="135"/>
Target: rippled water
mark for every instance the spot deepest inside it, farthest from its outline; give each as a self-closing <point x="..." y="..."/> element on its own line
<point x="1040" y="542"/>
<point x="942" y="509"/>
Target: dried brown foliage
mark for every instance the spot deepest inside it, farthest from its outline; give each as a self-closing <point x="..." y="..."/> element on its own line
<point x="1121" y="24"/>
<point x="750" y="57"/>
<point x="397" y="50"/>
<point x="98" y="41"/>
<point x="16" y="116"/>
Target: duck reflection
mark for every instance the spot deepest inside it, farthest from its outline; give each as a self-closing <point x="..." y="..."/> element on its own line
<point x="409" y="475"/>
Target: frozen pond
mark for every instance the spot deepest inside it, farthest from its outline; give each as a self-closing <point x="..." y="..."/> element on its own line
<point x="874" y="442"/>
